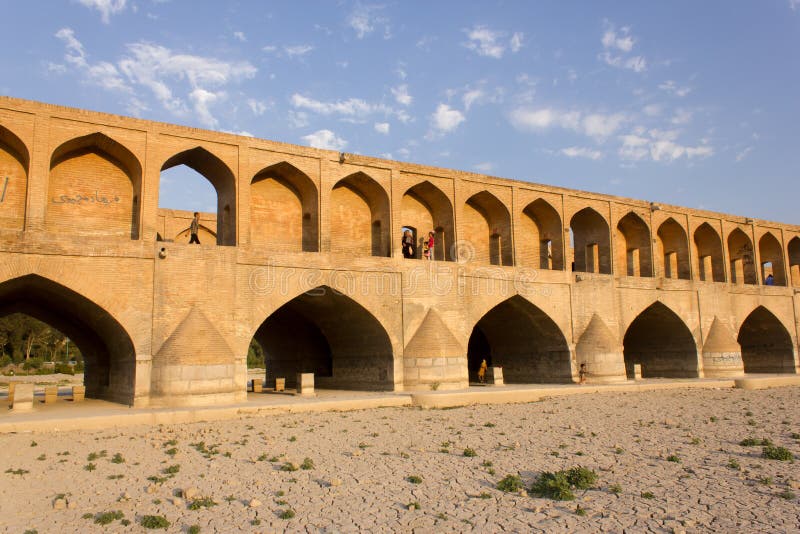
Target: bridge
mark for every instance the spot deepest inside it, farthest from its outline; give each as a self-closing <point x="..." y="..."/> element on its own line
<point x="303" y="256"/>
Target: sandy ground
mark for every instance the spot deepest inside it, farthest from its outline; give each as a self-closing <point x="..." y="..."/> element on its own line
<point x="362" y="461"/>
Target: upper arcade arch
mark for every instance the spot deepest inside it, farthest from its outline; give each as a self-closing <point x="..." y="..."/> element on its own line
<point x="708" y="251"/>
<point x="359" y="216"/>
<point x="425" y="208"/>
<point x="94" y="187"/>
<point x="541" y="240"/>
<point x="673" y="250"/>
<point x="592" y="244"/>
<point x="771" y="257"/>
<point x="741" y="256"/>
<point x="633" y="246"/>
<point x="794" y="260"/>
<point x="284" y="209"/>
<point x="486" y="225"/>
<point x="222" y="178"/>
<point x="14" y="166"/>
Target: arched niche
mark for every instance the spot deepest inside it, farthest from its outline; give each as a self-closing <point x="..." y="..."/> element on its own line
<point x="542" y="242"/>
<point x="425" y="208"/>
<point x="673" y="250"/>
<point x="741" y="257"/>
<point x="591" y="242"/>
<point x="14" y="165"/>
<point x="359" y="215"/>
<point x="634" y="257"/>
<point x="486" y="226"/>
<point x="769" y="250"/>
<point x="708" y="251"/>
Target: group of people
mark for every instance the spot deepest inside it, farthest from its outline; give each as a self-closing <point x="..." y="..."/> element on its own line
<point x="409" y="247"/>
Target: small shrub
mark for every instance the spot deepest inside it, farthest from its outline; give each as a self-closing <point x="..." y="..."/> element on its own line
<point x="115" y="477"/>
<point x="255" y="522"/>
<point x="648" y="495"/>
<point x="752" y="442"/>
<point x="470" y="453"/>
<point x="106" y="518"/>
<point x="89" y="467"/>
<point x="414" y="479"/>
<point x="155" y="479"/>
<point x="202" y="502"/>
<point x="287" y="514"/>
<point x="789" y="495"/>
<point x="734" y="464"/>
<point x="674" y="458"/>
<point x="293" y="438"/>
<point x="34" y="444"/>
<point x="195" y="529"/>
<point x="289" y="466"/>
<point x="771" y="452"/>
<point x="117" y="459"/>
<point x="580" y="511"/>
<point x="713" y="419"/>
<point x="154" y="521"/>
<point x="87" y="515"/>
<point x="91" y="457"/>
<point x="307" y="464"/>
<point x="695" y="441"/>
<point x="172" y="470"/>
<point x="413" y="505"/>
<point x="489" y="425"/>
<point x="510" y="483"/>
<point x="794" y="435"/>
<point x="767" y="481"/>
<point x="616" y="489"/>
<point x="555" y="486"/>
<point x="581" y="478"/>
<point x="17" y="471"/>
<point x="435" y="386"/>
<point x="485" y="495"/>
<point x="172" y="452"/>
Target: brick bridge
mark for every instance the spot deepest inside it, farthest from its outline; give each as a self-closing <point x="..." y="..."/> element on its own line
<point x="303" y="255"/>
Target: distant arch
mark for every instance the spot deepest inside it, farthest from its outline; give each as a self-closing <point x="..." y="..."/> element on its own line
<point x="222" y="178"/>
<point x="284" y="212"/>
<point x="673" y="250"/>
<point x="425" y="208"/>
<point x="742" y="258"/>
<point x="486" y="226"/>
<point x="591" y="248"/>
<point x="94" y="187"/>
<point x="771" y="257"/>
<point x="14" y="167"/>
<point x="661" y="343"/>
<point x="708" y="251"/>
<point x="524" y="340"/>
<point x="767" y="346"/>
<point x="360" y="216"/>
<point x="634" y="256"/>
<point x="794" y="260"/>
<point x="542" y="243"/>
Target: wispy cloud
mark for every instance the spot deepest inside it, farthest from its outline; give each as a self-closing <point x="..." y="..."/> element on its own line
<point x="596" y="125"/>
<point x="382" y="127"/>
<point x="352" y="109"/>
<point x="746" y="152"/>
<point x="290" y="51"/>
<point x="240" y="36"/>
<point x="617" y="48"/>
<point x="364" y="19"/>
<point x="490" y="43"/>
<point x="674" y="89"/>
<point x="486" y="166"/>
<point x="446" y="119"/>
<point x="325" y="139"/>
<point x="581" y="152"/>
<point x="659" y="145"/>
<point x="401" y="94"/>
<point x="107" y="8"/>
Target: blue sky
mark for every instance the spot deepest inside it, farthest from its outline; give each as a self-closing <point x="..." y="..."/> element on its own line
<point x="687" y="102"/>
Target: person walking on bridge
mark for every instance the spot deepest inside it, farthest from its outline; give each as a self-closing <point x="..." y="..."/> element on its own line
<point x="194" y="228"/>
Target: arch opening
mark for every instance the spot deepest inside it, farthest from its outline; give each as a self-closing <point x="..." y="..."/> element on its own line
<point x="633" y="247"/>
<point x="284" y="211"/>
<point x="327" y="333"/>
<point x="486" y="225"/>
<point x="107" y="350"/>
<point x="360" y="217"/>
<point x="673" y="250"/>
<point x="183" y="186"/>
<point x="708" y="251"/>
<point x="14" y="164"/>
<point x="794" y="260"/>
<point x="94" y="188"/>
<point x="742" y="261"/>
<point x="766" y="344"/>
<point x="523" y="340"/>
<point x="660" y="342"/>
<point x="591" y="242"/>
<point x="425" y="208"/>
<point x="769" y="250"/>
<point x="542" y="246"/>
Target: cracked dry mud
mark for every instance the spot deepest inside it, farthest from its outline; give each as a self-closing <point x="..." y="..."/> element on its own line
<point x="362" y="462"/>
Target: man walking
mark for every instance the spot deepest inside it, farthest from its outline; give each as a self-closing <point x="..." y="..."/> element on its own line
<point x="194" y="228"/>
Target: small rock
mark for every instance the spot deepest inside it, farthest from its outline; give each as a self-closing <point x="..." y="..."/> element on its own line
<point x="670" y="422"/>
<point x="72" y="505"/>
<point x="59" y="504"/>
<point x="177" y="501"/>
<point x="335" y="482"/>
<point x="358" y="452"/>
<point x="152" y="488"/>
<point x="254" y="503"/>
<point x="190" y="493"/>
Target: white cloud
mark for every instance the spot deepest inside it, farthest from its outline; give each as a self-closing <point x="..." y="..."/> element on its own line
<point x="446" y="119"/>
<point x="352" y="109"/>
<point x="202" y="100"/>
<point x="364" y="20"/>
<point x="105" y="7"/>
<point x="472" y="96"/>
<point x="516" y="41"/>
<point x="596" y="125"/>
<point x="401" y="94"/>
<point x="298" y="119"/>
<point x="486" y="166"/>
<point x="103" y="74"/>
<point x="600" y="126"/>
<point x="325" y="139"/>
<point x="636" y="63"/>
<point x="661" y="145"/>
<point x="622" y="41"/>
<point x="257" y="106"/>
<point x="581" y="152"/>
<point x="616" y="49"/>
<point x="382" y="127"/>
<point x="484" y="42"/>
<point x="652" y="110"/>
<point x="672" y="88"/>
<point x="240" y="36"/>
<point x="744" y="153"/>
<point x="297" y="50"/>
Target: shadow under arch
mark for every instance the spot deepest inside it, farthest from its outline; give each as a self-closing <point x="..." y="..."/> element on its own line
<point x="661" y="343"/>
<point x="522" y="339"/>
<point x="325" y="332"/>
<point x="359" y="216"/>
<point x="16" y="145"/>
<point x="108" y="352"/>
<point x="425" y="208"/>
<point x="101" y="155"/>
<point x="284" y="212"/>
<point x="793" y="251"/>
<point x="224" y="181"/>
<point x="766" y="344"/>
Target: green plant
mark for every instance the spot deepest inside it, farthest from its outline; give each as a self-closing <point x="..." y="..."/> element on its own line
<point x="307" y="464"/>
<point x="106" y="518"/>
<point x="555" y="486"/>
<point x="194" y="529"/>
<point x="293" y="438"/>
<point x="674" y="458"/>
<point x="648" y="495"/>
<point x="435" y="386"/>
<point x="695" y="441"/>
<point x="89" y="467"/>
<point x="172" y="452"/>
<point x="510" y="483"/>
<point x="616" y="489"/>
<point x="485" y="495"/>
<point x="789" y="495"/>
<point x="280" y="493"/>
<point x="771" y="452"/>
<point x="91" y="457"/>
<point x="42" y="457"/>
<point x="115" y="477"/>
<point x="713" y="419"/>
<point x="171" y="443"/>
<point x="289" y="466"/>
<point x="262" y="458"/>
<point x="287" y="514"/>
<point x="413" y="506"/>
<point x="489" y="425"/>
<point x="414" y="479"/>
<point x="154" y="521"/>
<point x="255" y="522"/>
<point x="794" y="435"/>
<point x="470" y="453"/>
<point x="752" y="442"/>
<point x="125" y="522"/>
<point x="172" y="470"/>
<point x="34" y="444"/>
<point x="202" y="502"/>
<point x="155" y="479"/>
<point x="581" y="477"/>
<point x="767" y="481"/>
<point x="580" y="511"/>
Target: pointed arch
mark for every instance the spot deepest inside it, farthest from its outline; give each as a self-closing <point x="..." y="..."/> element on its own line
<point x="222" y="178"/>
<point x="360" y="216"/>
<point x="524" y="340"/>
<point x="591" y="248"/>
<point x="766" y="345"/>
<point x="708" y="251"/>
<point x="487" y="226"/>
<point x="771" y="257"/>
<point x="673" y="250"/>
<point x="426" y="208"/>
<point x="284" y="213"/>
<point x="542" y="245"/>
<point x="14" y="167"/>
<point x="634" y="256"/>
<point x="661" y="343"/>
<point x="325" y="332"/>
<point x="107" y="349"/>
<point x="794" y="260"/>
<point x="741" y="257"/>
<point x="94" y="187"/>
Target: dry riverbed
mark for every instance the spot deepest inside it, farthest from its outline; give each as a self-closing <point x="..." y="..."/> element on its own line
<point x="667" y="461"/>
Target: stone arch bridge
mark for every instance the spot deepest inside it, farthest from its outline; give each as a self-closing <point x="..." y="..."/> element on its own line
<point x="303" y="255"/>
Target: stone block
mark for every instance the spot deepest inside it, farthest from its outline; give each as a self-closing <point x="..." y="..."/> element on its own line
<point x="50" y="394"/>
<point x="280" y="384"/>
<point x="637" y="371"/>
<point x="256" y="385"/>
<point x="11" y="387"/>
<point x="305" y="384"/>
<point x="78" y="393"/>
<point x="23" y="397"/>
<point x="494" y="376"/>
